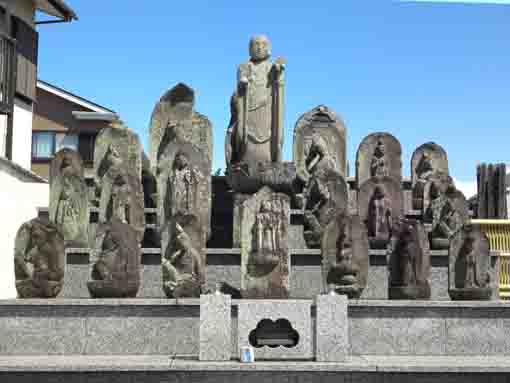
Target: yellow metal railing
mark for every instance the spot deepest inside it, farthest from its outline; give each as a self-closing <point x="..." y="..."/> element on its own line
<point x="498" y="233"/>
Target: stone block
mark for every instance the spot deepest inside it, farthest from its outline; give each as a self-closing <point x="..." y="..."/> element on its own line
<point x="253" y="331"/>
<point x="332" y="328"/>
<point x="215" y="327"/>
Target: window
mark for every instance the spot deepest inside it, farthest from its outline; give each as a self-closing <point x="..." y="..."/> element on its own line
<point x="66" y="141"/>
<point x="43" y="145"/>
<point x="86" y="144"/>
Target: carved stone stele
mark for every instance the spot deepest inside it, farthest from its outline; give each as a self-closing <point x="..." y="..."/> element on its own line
<point x="469" y="265"/>
<point x="409" y="261"/>
<point x="118" y="177"/>
<point x="320" y="142"/>
<point x="39" y="259"/>
<point x="378" y="155"/>
<point x="265" y="258"/>
<point x="116" y="271"/>
<point x="255" y="132"/>
<point x="69" y="199"/>
<point x="380" y="204"/>
<point x="428" y="163"/>
<point x="447" y="212"/>
<point x="345" y="256"/>
<point x="325" y="197"/>
<point x="175" y="117"/>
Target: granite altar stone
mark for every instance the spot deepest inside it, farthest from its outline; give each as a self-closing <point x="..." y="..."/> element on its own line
<point x="332" y="328"/>
<point x="116" y="269"/>
<point x="276" y="329"/>
<point x="255" y="132"/>
<point x="447" y="211"/>
<point x="325" y="196"/>
<point x="320" y="142"/>
<point x="429" y="162"/>
<point x="345" y="256"/>
<point x="69" y="203"/>
<point x="39" y="259"/>
<point x="118" y="177"/>
<point x="469" y="276"/>
<point x="265" y="258"/>
<point x="380" y="204"/>
<point x="409" y="261"/>
<point x="378" y="155"/>
<point x="215" y="327"/>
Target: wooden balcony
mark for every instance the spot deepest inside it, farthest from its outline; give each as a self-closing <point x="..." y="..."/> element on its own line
<point x="8" y="69"/>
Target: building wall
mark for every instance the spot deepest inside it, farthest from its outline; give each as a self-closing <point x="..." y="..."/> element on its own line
<point x="3" y="134"/>
<point x="18" y="204"/>
<point x="24" y="9"/>
<point x="22" y="134"/>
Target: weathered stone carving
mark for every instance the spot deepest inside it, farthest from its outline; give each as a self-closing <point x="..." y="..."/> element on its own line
<point x="428" y="163"/>
<point x="118" y="172"/>
<point x="380" y="204"/>
<point x="325" y="196"/>
<point x="183" y="267"/>
<point x="320" y="142"/>
<point x="185" y="202"/>
<point x="492" y="191"/>
<point x="116" y="272"/>
<point x="255" y="132"/>
<point x="175" y="117"/>
<point x="447" y="212"/>
<point x="469" y="265"/>
<point x="409" y="263"/>
<point x="265" y="259"/>
<point x="39" y="259"/>
<point x="378" y="155"/>
<point x="69" y="197"/>
<point x="345" y="256"/>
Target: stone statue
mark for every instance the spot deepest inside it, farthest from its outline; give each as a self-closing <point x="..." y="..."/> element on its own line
<point x="325" y="196"/>
<point x="470" y="265"/>
<point x="320" y="136"/>
<point x="380" y="204"/>
<point x="429" y="163"/>
<point x="39" y="259"/>
<point x="379" y="155"/>
<point x="69" y="197"/>
<point x="379" y="164"/>
<point x="256" y="128"/>
<point x="116" y="272"/>
<point x="183" y="271"/>
<point x="345" y="256"/>
<point x="265" y="259"/>
<point x="118" y="177"/>
<point x="409" y="261"/>
<point x="185" y="185"/>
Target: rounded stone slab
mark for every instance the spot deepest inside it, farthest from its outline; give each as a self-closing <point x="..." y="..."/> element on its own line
<point x="365" y="154"/>
<point x="437" y="155"/>
<point x="324" y="123"/>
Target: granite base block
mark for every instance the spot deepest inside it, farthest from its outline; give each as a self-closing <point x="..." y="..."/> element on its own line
<point x="215" y="327"/>
<point x="332" y="328"/>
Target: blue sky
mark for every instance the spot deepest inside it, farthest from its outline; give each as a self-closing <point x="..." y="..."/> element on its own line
<point x="422" y="71"/>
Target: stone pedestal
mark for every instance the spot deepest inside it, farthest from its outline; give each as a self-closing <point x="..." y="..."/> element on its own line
<point x="332" y="334"/>
<point x="215" y="327"/>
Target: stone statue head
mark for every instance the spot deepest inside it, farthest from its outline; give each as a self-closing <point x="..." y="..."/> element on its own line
<point x="181" y="161"/>
<point x="266" y="206"/>
<point x="380" y="149"/>
<point x="260" y="48"/>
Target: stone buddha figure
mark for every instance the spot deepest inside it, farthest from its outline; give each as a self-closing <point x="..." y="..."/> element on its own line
<point x="443" y="216"/>
<point x="185" y="182"/>
<point x="257" y="107"/>
<point x="379" y="217"/>
<point x="379" y="165"/>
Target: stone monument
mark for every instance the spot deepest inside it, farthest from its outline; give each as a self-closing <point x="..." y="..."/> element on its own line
<point x="345" y="256"/>
<point x="118" y="177"/>
<point x="378" y="155"/>
<point x="69" y="202"/>
<point x="319" y="142"/>
<point x="265" y="258"/>
<point x="409" y="261"/>
<point x="116" y="271"/>
<point x="469" y="265"/>
<point x="428" y="163"/>
<point x="39" y="259"/>
<point x="380" y="204"/>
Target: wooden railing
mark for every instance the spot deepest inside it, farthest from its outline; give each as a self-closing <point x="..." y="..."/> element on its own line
<point x="498" y="232"/>
<point x="8" y="68"/>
